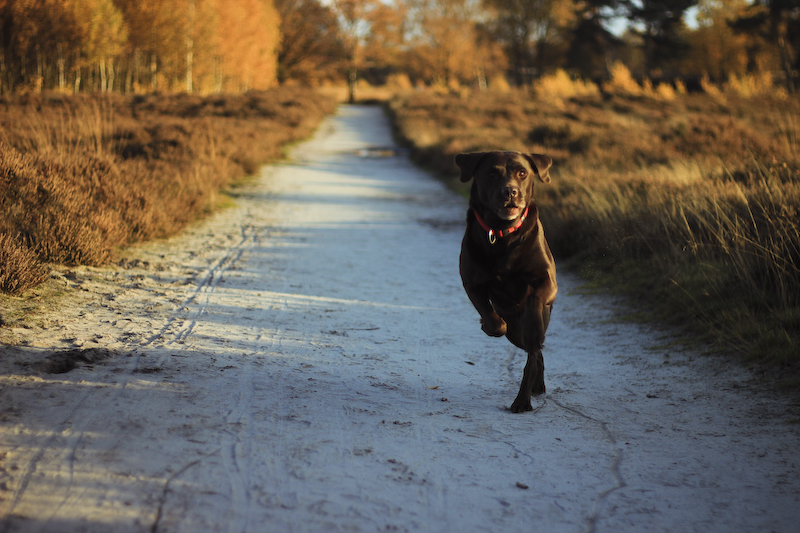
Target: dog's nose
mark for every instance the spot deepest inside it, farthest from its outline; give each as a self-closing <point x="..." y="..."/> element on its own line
<point x="510" y="192"/>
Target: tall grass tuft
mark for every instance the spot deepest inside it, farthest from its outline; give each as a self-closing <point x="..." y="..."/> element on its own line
<point x="621" y="81"/>
<point x="754" y="85"/>
<point x="712" y="90"/>
<point x="559" y="85"/>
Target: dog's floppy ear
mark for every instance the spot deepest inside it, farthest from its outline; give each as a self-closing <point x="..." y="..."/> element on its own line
<point x="467" y="163"/>
<point x="541" y="163"/>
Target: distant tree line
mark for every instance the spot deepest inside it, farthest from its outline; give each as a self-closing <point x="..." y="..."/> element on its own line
<point x="234" y="45"/>
<point x="451" y="42"/>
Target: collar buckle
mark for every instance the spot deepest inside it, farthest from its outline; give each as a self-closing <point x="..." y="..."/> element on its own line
<point x="492" y="234"/>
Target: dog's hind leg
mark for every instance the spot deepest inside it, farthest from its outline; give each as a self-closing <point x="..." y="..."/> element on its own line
<point x="535" y="321"/>
<point x="532" y="383"/>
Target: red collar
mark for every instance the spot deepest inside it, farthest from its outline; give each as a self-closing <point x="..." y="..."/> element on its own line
<point x="493" y="234"/>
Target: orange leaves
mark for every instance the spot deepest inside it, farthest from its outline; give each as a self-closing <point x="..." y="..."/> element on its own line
<point x="246" y="39"/>
<point x="133" y="45"/>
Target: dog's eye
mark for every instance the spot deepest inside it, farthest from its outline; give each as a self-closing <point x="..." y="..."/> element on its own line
<point x="522" y="173"/>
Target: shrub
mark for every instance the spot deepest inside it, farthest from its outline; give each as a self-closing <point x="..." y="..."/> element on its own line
<point x="82" y="176"/>
<point x="399" y="82"/>
<point x="20" y="268"/>
<point x="499" y="84"/>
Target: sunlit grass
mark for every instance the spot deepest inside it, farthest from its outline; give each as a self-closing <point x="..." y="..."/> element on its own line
<point x="82" y="176"/>
<point x="690" y="200"/>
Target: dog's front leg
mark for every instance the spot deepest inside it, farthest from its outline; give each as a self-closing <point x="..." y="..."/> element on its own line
<point x="491" y="323"/>
<point x="476" y="284"/>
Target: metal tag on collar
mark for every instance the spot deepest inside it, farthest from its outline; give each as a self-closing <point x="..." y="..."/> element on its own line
<point x="492" y="237"/>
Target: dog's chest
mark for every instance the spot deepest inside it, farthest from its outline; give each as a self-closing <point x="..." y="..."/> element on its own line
<point x="506" y="262"/>
<point x="508" y="291"/>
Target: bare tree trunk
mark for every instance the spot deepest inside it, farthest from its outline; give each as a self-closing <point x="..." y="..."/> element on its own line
<point x="352" y="81"/>
<point x="190" y="47"/>
<point x="62" y="78"/>
<point x="189" y="71"/>
<point x="77" y="73"/>
<point x="446" y="69"/>
<point x="103" y="78"/>
<point x="39" y="81"/>
<point x="22" y="78"/>
<point x="520" y="62"/>
<point x="218" y="78"/>
<point x="786" y="54"/>
<point x="541" y="46"/>
<point x="129" y="77"/>
<point x="153" y="71"/>
<point x="112" y="76"/>
<point x="648" y="49"/>
<point x="136" y="72"/>
<point x="2" y="71"/>
<point x="480" y="74"/>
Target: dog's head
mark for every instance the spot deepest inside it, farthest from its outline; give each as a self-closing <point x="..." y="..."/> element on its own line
<point x="503" y="181"/>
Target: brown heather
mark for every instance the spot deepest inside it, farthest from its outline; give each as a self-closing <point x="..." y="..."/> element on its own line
<point x="82" y="176"/>
<point x="691" y="203"/>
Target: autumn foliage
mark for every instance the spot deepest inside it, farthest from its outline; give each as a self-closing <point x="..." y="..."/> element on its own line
<point x="137" y="45"/>
<point x="234" y="45"/>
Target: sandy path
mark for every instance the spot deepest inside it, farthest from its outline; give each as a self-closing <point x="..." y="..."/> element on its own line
<point x="309" y="362"/>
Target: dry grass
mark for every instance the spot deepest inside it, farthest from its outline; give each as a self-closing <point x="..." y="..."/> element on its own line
<point x="559" y="86"/>
<point x="688" y="201"/>
<point x="21" y="268"/>
<point x="621" y="82"/>
<point x="755" y="85"/>
<point x="83" y="176"/>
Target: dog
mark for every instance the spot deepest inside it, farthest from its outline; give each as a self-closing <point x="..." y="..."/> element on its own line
<point x="506" y="265"/>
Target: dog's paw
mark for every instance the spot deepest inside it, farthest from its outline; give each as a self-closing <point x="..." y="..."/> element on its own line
<point x="520" y="406"/>
<point x="495" y="329"/>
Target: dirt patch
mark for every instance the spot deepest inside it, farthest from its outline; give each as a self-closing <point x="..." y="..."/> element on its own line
<point x="67" y="360"/>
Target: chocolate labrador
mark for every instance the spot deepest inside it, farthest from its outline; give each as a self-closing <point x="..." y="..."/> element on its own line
<point x="506" y="266"/>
